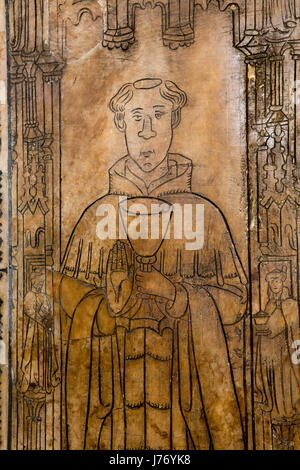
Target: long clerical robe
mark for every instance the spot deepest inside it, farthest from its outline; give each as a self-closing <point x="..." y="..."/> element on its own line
<point x="159" y="374"/>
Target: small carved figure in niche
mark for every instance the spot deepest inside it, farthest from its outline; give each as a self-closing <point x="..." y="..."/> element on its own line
<point x="39" y="372"/>
<point x="277" y="377"/>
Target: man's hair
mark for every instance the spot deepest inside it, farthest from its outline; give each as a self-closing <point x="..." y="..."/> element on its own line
<point x="282" y="272"/>
<point x="168" y="90"/>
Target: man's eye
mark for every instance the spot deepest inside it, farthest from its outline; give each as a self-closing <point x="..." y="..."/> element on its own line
<point x="137" y="118"/>
<point x="158" y="115"/>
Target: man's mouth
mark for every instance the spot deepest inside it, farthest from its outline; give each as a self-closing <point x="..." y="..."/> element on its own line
<point x="147" y="154"/>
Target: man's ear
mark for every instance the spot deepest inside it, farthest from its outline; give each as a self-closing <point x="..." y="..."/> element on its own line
<point x="120" y="122"/>
<point x="176" y="117"/>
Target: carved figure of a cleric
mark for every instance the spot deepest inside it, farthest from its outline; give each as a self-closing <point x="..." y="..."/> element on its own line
<point x="161" y="378"/>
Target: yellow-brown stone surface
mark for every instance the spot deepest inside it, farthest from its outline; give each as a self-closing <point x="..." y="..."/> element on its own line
<point x="150" y="224"/>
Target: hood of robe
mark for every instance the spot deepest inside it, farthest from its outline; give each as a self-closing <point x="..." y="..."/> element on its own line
<point x="177" y="178"/>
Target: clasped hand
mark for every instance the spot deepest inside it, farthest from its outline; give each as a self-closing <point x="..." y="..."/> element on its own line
<point x="155" y="283"/>
<point x="120" y="280"/>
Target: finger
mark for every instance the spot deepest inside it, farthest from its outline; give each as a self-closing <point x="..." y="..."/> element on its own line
<point x="124" y="256"/>
<point x="141" y="273"/>
<point x="114" y="256"/>
<point x="110" y="259"/>
<point x="140" y="282"/>
<point x="122" y="261"/>
<point x="141" y="289"/>
<point x="119" y="255"/>
<point x="128" y="254"/>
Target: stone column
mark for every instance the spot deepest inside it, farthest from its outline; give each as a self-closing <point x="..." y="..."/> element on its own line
<point x="256" y="149"/>
<point x="179" y="31"/>
<point x="296" y="56"/>
<point x="118" y="33"/>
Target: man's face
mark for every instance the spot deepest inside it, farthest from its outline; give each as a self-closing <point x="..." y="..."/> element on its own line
<point x="37" y="285"/>
<point x="276" y="282"/>
<point x="148" y="128"/>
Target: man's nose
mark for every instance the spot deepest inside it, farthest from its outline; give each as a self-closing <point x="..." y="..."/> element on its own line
<point x="147" y="132"/>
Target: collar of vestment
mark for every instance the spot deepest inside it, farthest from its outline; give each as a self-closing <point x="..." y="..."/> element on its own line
<point x="177" y="178"/>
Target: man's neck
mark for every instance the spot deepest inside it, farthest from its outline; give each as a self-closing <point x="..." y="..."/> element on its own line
<point x="150" y="176"/>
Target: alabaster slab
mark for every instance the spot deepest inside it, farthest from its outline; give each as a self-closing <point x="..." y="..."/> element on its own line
<point x="149" y="266"/>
